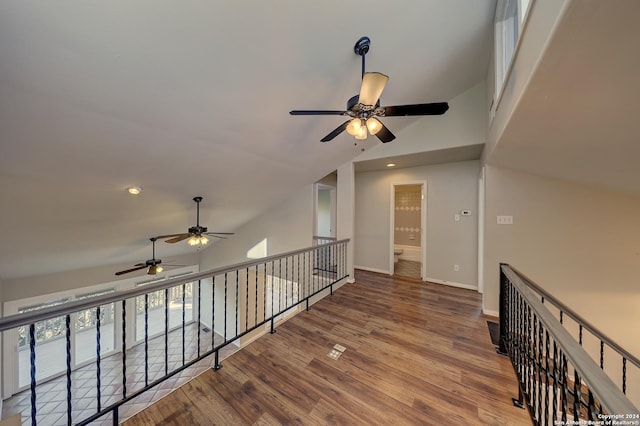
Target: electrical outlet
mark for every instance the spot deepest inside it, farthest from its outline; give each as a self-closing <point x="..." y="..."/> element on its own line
<point x="505" y="220"/>
<point x="456" y="268"/>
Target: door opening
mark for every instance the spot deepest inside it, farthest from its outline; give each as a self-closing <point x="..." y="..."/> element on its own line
<point x="407" y="234"/>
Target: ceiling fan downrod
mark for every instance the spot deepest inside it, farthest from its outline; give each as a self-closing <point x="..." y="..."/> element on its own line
<point x="361" y="48"/>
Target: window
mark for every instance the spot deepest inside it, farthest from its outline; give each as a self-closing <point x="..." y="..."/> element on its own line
<point x="156" y="309"/>
<point x="510" y="17"/>
<point x="86" y="333"/>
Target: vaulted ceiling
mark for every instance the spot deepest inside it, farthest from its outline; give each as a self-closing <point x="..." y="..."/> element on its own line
<point x="187" y="98"/>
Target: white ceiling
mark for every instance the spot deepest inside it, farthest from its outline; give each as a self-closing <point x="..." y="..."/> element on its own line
<point x="189" y="98"/>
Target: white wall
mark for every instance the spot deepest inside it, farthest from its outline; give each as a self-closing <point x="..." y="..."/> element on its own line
<point x="450" y="188"/>
<point x="287" y="226"/>
<point x="21" y="288"/>
<point x="345" y="199"/>
<point x="580" y="243"/>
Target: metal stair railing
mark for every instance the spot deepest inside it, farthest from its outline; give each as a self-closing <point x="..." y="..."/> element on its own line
<point x="559" y="382"/>
<point x="243" y="298"/>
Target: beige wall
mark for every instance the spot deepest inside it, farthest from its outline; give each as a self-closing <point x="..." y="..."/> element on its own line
<point x="450" y="188"/>
<point x="580" y="243"/>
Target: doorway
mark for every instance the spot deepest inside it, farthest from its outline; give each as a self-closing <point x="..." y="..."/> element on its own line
<point x="325" y="219"/>
<point x="407" y="252"/>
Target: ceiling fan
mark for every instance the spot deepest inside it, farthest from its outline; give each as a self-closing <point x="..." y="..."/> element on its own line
<point x="152" y="264"/>
<point x="364" y="108"/>
<point x="197" y="234"/>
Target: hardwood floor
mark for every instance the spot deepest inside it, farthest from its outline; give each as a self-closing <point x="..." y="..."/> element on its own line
<point x="416" y="353"/>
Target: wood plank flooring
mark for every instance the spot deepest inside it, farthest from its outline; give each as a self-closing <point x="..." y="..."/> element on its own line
<point x="417" y="353"/>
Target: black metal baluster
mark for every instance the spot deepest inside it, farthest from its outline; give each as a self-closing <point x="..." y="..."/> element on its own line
<point x="591" y="410"/>
<point x="124" y="349"/>
<point x="246" y="310"/>
<point x="601" y="354"/>
<point x="166" y="331"/>
<point x="225" y="306"/>
<point x="298" y="278"/>
<point x="580" y="335"/>
<point x="146" y="339"/>
<point x="255" y="316"/>
<point x="98" y="357"/>
<point x="565" y="385"/>
<point x="539" y="368"/>
<point x="286" y="283"/>
<point x="68" y="349"/>
<point x="184" y="305"/>
<point x="216" y="361"/>
<point x="534" y="367"/>
<point x="547" y="347"/>
<point x="624" y="375"/>
<point x="279" y="285"/>
<point x="32" y="370"/>
<point x="199" y="314"/>
<point x="273" y="308"/>
<point x="554" y="412"/>
<point x="237" y="303"/>
<point x="305" y="280"/>
<point x="577" y="395"/>
<point x="213" y="312"/>
<point x="264" y="291"/>
<point x="528" y="353"/>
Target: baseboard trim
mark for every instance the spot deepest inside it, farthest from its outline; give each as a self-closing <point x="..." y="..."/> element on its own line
<point x="377" y="271"/>
<point x="491" y="313"/>
<point x="452" y="284"/>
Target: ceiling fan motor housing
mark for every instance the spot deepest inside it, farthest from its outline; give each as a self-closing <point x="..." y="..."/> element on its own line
<point x="197" y="230"/>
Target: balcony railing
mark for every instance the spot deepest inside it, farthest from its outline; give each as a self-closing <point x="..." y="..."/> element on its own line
<point x="233" y="301"/>
<point x="560" y="381"/>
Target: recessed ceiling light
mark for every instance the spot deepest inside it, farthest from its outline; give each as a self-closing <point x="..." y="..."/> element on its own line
<point x="391" y="164"/>
<point x="134" y="190"/>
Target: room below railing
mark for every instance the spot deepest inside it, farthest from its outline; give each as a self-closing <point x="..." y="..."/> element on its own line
<point x="232" y="302"/>
<point x="561" y="379"/>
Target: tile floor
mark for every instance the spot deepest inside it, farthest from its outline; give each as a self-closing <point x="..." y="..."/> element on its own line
<point x="408" y="268"/>
<point x="51" y="396"/>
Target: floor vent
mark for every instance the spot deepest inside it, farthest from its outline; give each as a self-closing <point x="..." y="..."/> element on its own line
<point x="336" y="351"/>
<point x="206" y="329"/>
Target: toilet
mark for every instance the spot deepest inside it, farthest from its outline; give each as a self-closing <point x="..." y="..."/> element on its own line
<point x="396" y="254"/>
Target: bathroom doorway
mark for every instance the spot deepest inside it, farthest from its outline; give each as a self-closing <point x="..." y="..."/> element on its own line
<point x="407" y="236"/>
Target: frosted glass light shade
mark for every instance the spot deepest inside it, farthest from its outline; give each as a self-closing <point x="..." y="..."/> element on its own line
<point x="374" y="125"/>
<point x="354" y="126"/>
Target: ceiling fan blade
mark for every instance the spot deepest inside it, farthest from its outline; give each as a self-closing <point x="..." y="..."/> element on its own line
<point x="126" y="271"/>
<point x="373" y="84"/>
<point x="316" y="112"/>
<point x="385" y="134"/>
<point x="219" y="233"/>
<point x="179" y="238"/>
<point x="170" y="235"/>
<point x="341" y="128"/>
<point x="436" y="108"/>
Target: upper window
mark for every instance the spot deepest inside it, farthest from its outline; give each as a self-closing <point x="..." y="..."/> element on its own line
<point x="510" y="16"/>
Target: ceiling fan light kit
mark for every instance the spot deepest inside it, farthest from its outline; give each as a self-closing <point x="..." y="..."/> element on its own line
<point x="365" y="107"/>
